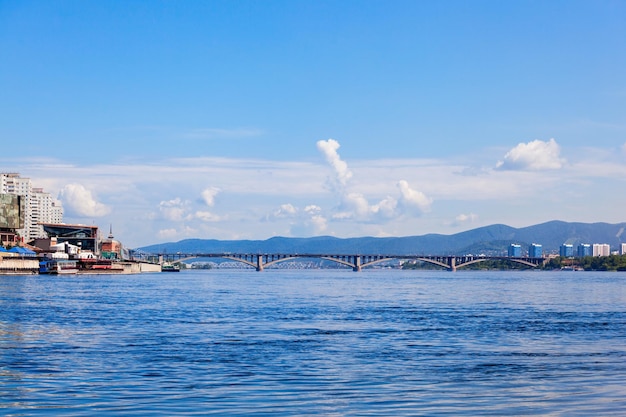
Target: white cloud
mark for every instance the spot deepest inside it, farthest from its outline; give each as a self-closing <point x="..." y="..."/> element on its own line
<point x="355" y="206"/>
<point x="318" y="224"/>
<point x="372" y="202"/>
<point x="207" y="216"/>
<point x="173" y="233"/>
<point x="312" y="209"/>
<point x="357" y="203"/>
<point x="316" y="220"/>
<point x="534" y="156"/>
<point x="175" y="210"/>
<point x="80" y="202"/>
<point x="208" y="195"/>
<point x="462" y="219"/>
<point x="413" y="198"/>
<point x="285" y="211"/>
<point x="312" y="222"/>
<point x="167" y="233"/>
<point x="302" y="222"/>
<point x="386" y="208"/>
<point x="329" y="149"/>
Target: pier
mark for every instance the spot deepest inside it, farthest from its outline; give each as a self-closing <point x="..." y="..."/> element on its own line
<point x="355" y="261"/>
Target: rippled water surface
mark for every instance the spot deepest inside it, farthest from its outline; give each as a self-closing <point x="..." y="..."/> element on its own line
<point x="314" y="343"/>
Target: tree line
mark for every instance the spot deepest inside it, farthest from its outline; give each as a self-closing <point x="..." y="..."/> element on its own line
<point x="589" y="263"/>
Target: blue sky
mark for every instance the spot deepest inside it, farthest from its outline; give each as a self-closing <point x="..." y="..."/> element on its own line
<point x="252" y="119"/>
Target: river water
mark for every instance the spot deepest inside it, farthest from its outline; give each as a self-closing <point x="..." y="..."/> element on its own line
<point x="314" y="342"/>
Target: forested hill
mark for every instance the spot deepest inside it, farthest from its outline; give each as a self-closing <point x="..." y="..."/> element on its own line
<point x="489" y="240"/>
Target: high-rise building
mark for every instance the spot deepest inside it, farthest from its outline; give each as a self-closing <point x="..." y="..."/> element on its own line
<point x="566" y="250"/>
<point x="515" y="250"/>
<point x="39" y="206"/>
<point x="584" y="249"/>
<point x="622" y="249"/>
<point x="601" y="249"/>
<point x="535" y="250"/>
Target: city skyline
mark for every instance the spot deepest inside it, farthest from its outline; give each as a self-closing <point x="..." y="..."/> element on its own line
<point x="247" y="120"/>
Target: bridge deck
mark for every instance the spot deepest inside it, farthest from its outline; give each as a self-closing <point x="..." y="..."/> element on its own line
<point x="355" y="261"/>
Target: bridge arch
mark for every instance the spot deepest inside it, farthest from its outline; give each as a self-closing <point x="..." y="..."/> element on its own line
<point x="516" y="260"/>
<point x="376" y="261"/>
<point x="434" y="262"/>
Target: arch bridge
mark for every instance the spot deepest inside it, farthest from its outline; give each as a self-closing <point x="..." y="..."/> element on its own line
<point x="356" y="262"/>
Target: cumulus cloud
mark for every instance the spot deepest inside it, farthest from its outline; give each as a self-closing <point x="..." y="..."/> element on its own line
<point x="303" y="222"/>
<point x="313" y="209"/>
<point x="355" y="205"/>
<point x="413" y="198"/>
<point x="285" y="211"/>
<point x="208" y="195"/>
<point x="386" y="208"/>
<point x="310" y="221"/>
<point x="329" y="149"/>
<point x="534" y="156"/>
<point x="316" y="221"/>
<point x="175" y="210"/>
<point x="80" y="202"/>
<point x="462" y="219"/>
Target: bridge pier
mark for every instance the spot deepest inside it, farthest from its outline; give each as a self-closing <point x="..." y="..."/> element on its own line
<point x="357" y="264"/>
<point x="259" y="263"/>
<point x="452" y="263"/>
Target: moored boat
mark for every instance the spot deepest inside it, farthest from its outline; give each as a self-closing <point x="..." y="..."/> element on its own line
<point x="58" y="266"/>
<point x="170" y="268"/>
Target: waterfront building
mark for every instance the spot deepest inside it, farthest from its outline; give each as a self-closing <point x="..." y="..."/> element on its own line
<point x="622" y="250"/>
<point x="601" y="249"/>
<point x="79" y="235"/>
<point x="566" y="250"/>
<point x="113" y="249"/>
<point x="535" y="250"/>
<point x="515" y="250"/>
<point x="39" y="206"/>
<point x="11" y="218"/>
<point x="584" y="249"/>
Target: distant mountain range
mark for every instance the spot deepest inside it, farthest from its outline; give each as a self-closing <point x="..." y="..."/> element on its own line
<point x="489" y="240"/>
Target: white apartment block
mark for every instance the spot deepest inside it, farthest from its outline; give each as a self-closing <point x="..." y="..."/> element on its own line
<point x="601" y="249"/>
<point x="622" y="249"/>
<point x="39" y="206"/>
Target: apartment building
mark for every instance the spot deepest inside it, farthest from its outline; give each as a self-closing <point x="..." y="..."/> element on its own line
<point x="39" y="206"/>
<point x="601" y="249"/>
